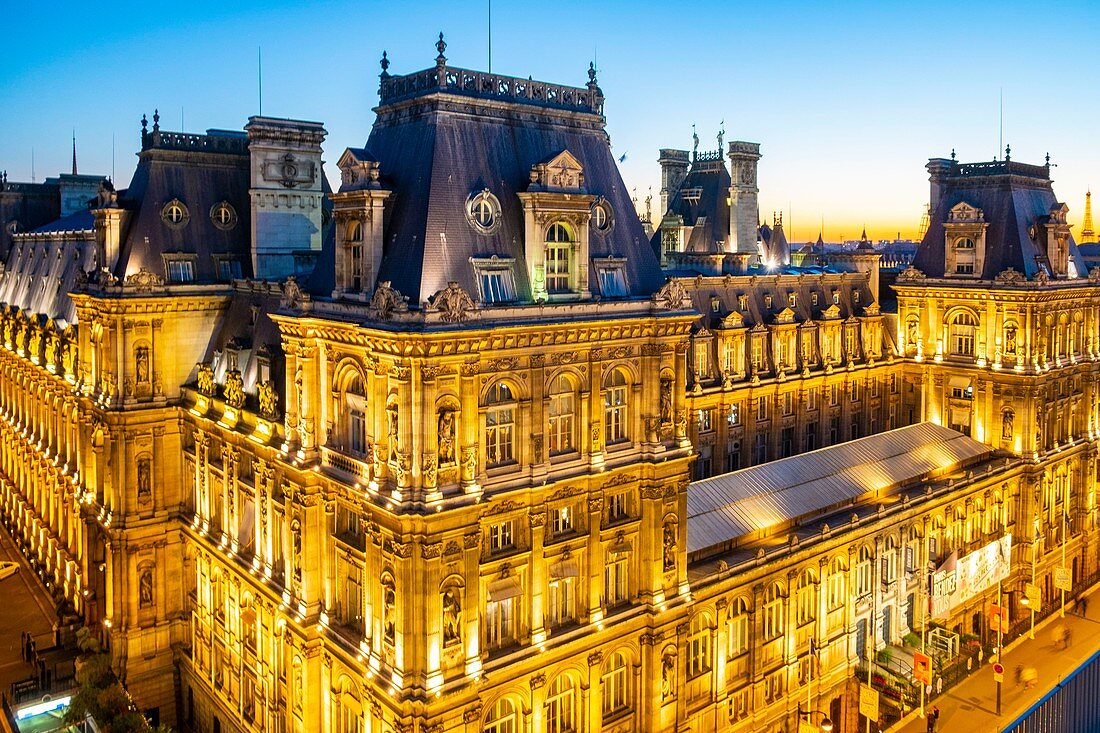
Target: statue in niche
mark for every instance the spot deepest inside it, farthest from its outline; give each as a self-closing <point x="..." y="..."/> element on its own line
<point x="51" y="348"/>
<point x="1007" y="418"/>
<point x="141" y="359"/>
<point x="389" y="605"/>
<point x="145" y="588"/>
<point x="446" y="437"/>
<point x="670" y="545"/>
<point x="144" y="478"/>
<point x="666" y="400"/>
<point x="1010" y="340"/>
<point x="452" y="617"/>
<point x="393" y="423"/>
<point x="668" y="673"/>
<point x="911" y="332"/>
<point x="67" y="358"/>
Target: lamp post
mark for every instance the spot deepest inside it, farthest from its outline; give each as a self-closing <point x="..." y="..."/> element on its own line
<point x="826" y="724"/>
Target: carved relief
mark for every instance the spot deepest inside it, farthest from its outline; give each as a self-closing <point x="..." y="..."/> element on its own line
<point x="453" y="304"/>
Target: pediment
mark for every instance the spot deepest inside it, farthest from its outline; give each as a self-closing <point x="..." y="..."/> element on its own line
<point x="963" y="212"/>
<point x="562" y="172"/>
<point x="733" y="320"/>
<point x="832" y="312"/>
<point x="785" y="316"/>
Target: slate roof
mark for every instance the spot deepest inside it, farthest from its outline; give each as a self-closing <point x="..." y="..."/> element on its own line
<point x="749" y="503"/>
<point x="435" y="150"/>
<point x="700" y="201"/>
<point x="1013" y="197"/>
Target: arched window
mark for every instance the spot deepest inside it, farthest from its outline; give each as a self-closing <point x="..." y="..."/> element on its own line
<point x="561" y="706"/>
<point x="350" y="718"/>
<point x="837" y="584"/>
<point x="562" y="422"/>
<point x="500" y="425"/>
<point x="964" y="243"/>
<point x="355" y="414"/>
<point x="354" y="231"/>
<point x="738" y="628"/>
<point x="806" y="598"/>
<point x="963" y="327"/>
<point x="615" y="685"/>
<point x="864" y="572"/>
<point x="559" y="258"/>
<point x="773" y="612"/>
<point x="699" y="646"/>
<point x="502" y="718"/>
<point x="615" y="408"/>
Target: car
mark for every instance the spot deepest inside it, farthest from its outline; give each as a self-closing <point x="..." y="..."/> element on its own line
<point x="7" y="568"/>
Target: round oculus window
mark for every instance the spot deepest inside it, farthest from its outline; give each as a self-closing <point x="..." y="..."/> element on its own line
<point x="223" y="215"/>
<point x="483" y="212"/>
<point x="175" y="214"/>
<point x="601" y="217"/>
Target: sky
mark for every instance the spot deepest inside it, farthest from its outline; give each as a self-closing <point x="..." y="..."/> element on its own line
<point x="848" y="100"/>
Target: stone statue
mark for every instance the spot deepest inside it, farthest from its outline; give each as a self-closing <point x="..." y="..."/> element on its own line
<point x="670" y="545"/>
<point x="1007" y="418"/>
<point x="1010" y="340"/>
<point x="142" y="364"/>
<point x="666" y="400"/>
<point x="145" y="588"/>
<point x="911" y="333"/>
<point x="453" y="303"/>
<point x="268" y="399"/>
<point x="389" y="628"/>
<point x="51" y="351"/>
<point x="234" y="388"/>
<point x="144" y="478"/>
<point x="392" y="430"/>
<point x="668" y="672"/>
<point x="206" y="379"/>
<point x="67" y="358"/>
<point x="446" y="437"/>
<point x="452" y="617"/>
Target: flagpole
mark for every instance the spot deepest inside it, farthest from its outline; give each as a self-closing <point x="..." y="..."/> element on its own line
<point x="1065" y="520"/>
<point x="924" y="613"/>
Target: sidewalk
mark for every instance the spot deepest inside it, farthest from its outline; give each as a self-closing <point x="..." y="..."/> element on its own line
<point x="971" y="705"/>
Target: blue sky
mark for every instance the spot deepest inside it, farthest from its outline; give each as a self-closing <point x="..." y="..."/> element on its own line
<point x="847" y="99"/>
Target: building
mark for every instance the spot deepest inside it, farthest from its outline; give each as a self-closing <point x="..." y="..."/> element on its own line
<point x="416" y="454"/>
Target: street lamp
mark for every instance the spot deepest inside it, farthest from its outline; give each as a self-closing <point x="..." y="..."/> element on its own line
<point x="807" y="715"/>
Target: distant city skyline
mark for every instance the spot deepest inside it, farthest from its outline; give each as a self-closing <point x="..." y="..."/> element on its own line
<point x="847" y="104"/>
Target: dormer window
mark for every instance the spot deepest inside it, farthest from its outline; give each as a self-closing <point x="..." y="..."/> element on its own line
<point x="496" y="278"/>
<point x="483" y="212"/>
<point x="768" y="301"/>
<point x="792" y="300"/>
<point x="175" y="214"/>
<point x="601" y="217"/>
<point x="559" y="258"/>
<point x="612" y="277"/>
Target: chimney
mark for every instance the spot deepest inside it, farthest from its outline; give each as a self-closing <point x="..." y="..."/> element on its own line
<point x="938" y="169"/>
<point x="674" y="168"/>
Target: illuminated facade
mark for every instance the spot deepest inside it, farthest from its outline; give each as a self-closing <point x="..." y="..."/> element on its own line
<point x="416" y="455"/>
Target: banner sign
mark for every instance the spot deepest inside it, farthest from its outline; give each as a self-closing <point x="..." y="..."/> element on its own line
<point x="960" y="579"/>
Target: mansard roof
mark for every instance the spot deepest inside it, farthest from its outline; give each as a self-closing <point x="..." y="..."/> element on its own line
<point x="439" y="143"/>
<point x="701" y="201"/>
<point x="1015" y="198"/>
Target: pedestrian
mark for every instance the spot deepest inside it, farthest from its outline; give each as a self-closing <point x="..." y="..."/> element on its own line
<point x="1019" y="673"/>
<point x="1059" y="635"/>
<point x="1030" y="677"/>
<point x="933" y="717"/>
<point x="1066" y="638"/>
<point x="1083" y="605"/>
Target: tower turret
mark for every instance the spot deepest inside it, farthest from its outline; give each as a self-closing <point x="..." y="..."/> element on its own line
<point x="744" y="208"/>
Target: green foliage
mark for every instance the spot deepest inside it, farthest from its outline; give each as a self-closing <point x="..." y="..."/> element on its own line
<point x="885" y="656"/>
<point x="912" y="640"/>
<point x="101" y="695"/>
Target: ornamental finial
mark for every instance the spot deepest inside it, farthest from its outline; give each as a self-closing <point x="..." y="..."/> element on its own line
<point x="441" y="46"/>
<point x="1008" y="153"/>
<point x="144" y="124"/>
<point x="952" y="153"/>
<point x="592" y="71"/>
<point x="385" y="64"/>
<point x="156" y="120"/>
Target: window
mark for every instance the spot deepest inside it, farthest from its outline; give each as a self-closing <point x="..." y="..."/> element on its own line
<point x="495" y="278"/>
<point x="559" y="251"/>
<point x="760" y="449"/>
<point x="811" y="435"/>
<point x="181" y="271"/>
<point x="175" y="214"/>
<point x="733" y="417"/>
<point x="963" y="327"/>
<point x="864" y="573"/>
<point x="614" y="681"/>
<point x="964" y="243"/>
<point x="601" y="217"/>
<point x="811" y="399"/>
<point x="742" y="302"/>
<point x="788" y="403"/>
<point x="502" y="536"/>
<point x="740" y="704"/>
<point x="500" y="423"/>
<point x="483" y="212"/>
<point x="561" y="706"/>
<point x="616" y="507"/>
<point x="502" y="718"/>
<point x="733" y="456"/>
<point x="738" y="628"/>
<point x="834" y="394"/>
<point x="615" y="414"/>
<point x="563" y="601"/>
<point x="792" y="300"/>
<point x="806" y="599"/>
<point x="836" y="297"/>
<point x="701" y="359"/>
<point x="612" y="281"/>
<point x="768" y="301"/>
<point x="813" y="298"/>
<point x="616" y="591"/>
<point x="853" y="391"/>
<point x="500" y="622"/>
<point x="773" y="613"/>
<point x="706" y="420"/>
<point x="223" y="215"/>
<point x="562" y="422"/>
<point x="698" y="646"/>
<point x="229" y="269"/>
<point x="561" y="520"/>
<point x="762" y="408"/>
<point x="837" y="585"/>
